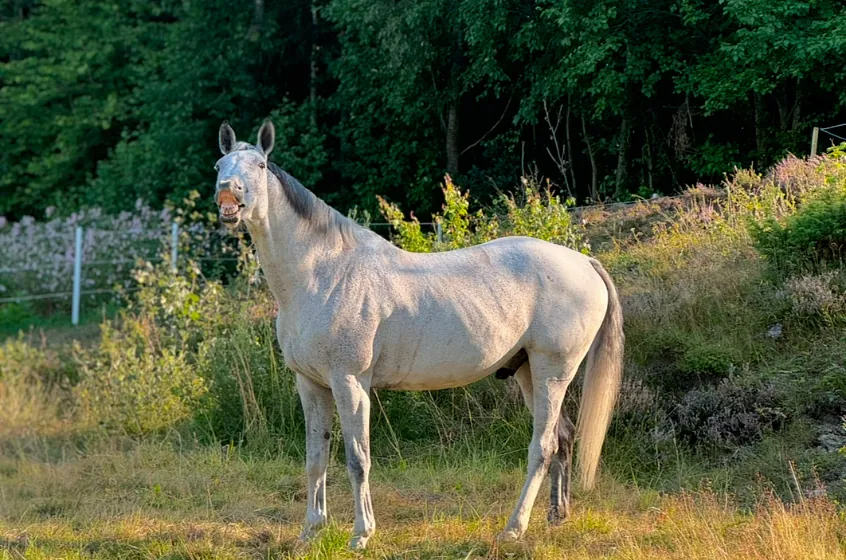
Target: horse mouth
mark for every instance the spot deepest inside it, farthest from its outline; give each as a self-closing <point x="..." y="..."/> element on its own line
<point x="231" y="217"/>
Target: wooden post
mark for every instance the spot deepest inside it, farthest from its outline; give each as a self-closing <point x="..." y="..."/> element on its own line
<point x="814" y="138"/>
<point x="77" y="276"/>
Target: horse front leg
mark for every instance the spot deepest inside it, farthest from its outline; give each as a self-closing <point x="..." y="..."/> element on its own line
<point x="319" y="414"/>
<point x="352" y="397"/>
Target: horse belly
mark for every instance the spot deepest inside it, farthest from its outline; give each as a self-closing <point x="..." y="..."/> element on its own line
<point x="442" y="359"/>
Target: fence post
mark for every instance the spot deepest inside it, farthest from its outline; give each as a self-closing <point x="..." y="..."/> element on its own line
<point x="439" y="232"/>
<point x="77" y="276"/>
<point x="174" y="246"/>
<point x="814" y="137"/>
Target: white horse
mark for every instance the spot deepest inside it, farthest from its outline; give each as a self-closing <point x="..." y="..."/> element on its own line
<point x="356" y="312"/>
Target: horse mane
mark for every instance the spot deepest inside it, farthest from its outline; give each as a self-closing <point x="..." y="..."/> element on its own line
<point x="317" y="215"/>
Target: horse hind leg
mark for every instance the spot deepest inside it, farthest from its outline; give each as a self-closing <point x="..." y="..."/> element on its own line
<point x="560" y="471"/>
<point x="523" y="376"/>
<point x="560" y="468"/>
<point x="550" y="376"/>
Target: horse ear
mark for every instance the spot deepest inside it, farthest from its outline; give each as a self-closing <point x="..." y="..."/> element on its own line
<point x="266" y="137"/>
<point x="226" y="138"/>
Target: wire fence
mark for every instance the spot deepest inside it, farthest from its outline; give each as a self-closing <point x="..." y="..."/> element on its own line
<point x="81" y="270"/>
<point x="81" y="266"/>
<point x="828" y="130"/>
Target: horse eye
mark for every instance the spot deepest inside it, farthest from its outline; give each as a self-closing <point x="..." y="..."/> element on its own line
<point x="261" y="164"/>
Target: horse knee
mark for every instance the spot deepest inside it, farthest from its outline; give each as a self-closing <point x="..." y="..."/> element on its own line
<point x="358" y="466"/>
<point x="315" y="469"/>
<point x="544" y="451"/>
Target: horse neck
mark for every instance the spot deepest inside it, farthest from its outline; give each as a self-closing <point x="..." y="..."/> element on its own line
<point x="288" y="249"/>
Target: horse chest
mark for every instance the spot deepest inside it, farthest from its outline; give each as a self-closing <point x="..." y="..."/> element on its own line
<point x="316" y="355"/>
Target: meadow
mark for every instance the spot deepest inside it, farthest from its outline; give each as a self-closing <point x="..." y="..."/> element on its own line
<point x="174" y="430"/>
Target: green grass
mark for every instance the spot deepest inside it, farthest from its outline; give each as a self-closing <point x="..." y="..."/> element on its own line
<point x="121" y="499"/>
<point x="54" y="328"/>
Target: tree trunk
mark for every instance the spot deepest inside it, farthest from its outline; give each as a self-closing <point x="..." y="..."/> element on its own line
<point x="797" y="107"/>
<point x="570" y="150"/>
<point x="454" y="95"/>
<point x="649" y="161"/>
<point x="594" y="191"/>
<point x="760" y="114"/>
<point x="313" y="64"/>
<point x="259" y="10"/>
<point x="452" y="139"/>
<point x="784" y="115"/>
<point x="622" y="157"/>
<point x="258" y="17"/>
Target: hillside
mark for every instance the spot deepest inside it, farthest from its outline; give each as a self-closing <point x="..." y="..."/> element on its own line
<point x="177" y="433"/>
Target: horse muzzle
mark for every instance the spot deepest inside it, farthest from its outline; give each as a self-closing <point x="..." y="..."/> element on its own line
<point x="230" y="208"/>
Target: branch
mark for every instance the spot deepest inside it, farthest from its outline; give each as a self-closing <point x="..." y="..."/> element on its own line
<point x="440" y="114"/>
<point x="496" y="124"/>
<point x="559" y="158"/>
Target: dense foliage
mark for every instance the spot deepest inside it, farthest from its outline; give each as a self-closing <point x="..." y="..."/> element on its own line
<point x="102" y="103"/>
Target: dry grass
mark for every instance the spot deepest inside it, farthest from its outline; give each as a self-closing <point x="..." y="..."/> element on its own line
<point x="128" y="500"/>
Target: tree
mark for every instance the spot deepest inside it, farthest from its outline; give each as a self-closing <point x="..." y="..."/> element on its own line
<point x="406" y="74"/>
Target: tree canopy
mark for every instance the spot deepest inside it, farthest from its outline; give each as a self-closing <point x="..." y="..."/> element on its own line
<point x="104" y="102"/>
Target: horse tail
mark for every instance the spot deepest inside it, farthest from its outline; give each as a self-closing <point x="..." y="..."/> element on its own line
<point x="603" y="374"/>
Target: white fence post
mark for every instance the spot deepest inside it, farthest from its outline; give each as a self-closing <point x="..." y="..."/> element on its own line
<point x="77" y="276"/>
<point x="439" y="232"/>
<point x="814" y="138"/>
<point x="174" y="246"/>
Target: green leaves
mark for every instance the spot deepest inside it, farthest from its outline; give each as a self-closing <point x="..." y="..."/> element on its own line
<point x="103" y="103"/>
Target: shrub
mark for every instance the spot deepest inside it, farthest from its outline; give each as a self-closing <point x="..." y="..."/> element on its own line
<point x="811" y="239"/>
<point x="818" y="296"/>
<point x="530" y="212"/>
<point x="130" y="390"/>
<point x="32" y="389"/>
<point x="252" y="396"/>
<point x="145" y="374"/>
<point x="814" y="237"/>
<point x="38" y="257"/>
<point x="728" y="414"/>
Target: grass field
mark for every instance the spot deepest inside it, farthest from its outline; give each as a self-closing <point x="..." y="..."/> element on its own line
<point x="125" y="499"/>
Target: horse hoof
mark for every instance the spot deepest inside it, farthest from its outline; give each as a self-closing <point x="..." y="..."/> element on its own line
<point x="509" y="535"/>
<point x="358" y="542"/>
<point x="556" y="516"/>
<point x="310" y="531"/>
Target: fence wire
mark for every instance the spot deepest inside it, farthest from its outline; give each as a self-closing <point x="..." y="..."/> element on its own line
<point x="165" y="234"/>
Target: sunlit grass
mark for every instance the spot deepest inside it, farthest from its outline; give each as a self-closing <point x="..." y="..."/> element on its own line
<point x="127" y="500"/>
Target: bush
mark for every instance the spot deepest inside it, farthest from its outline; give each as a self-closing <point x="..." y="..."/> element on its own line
<point x="33" y="384"/>
<point x="38" y="257"/>
<point x="811" y="239"/>
<point x="728" y="414"/>
<point x="252" y="396"/>
<point x="530" y="212"/>
<point x="818" y="297"/>
<point x="145" y="375"/>
<point x="127" y="389"/>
